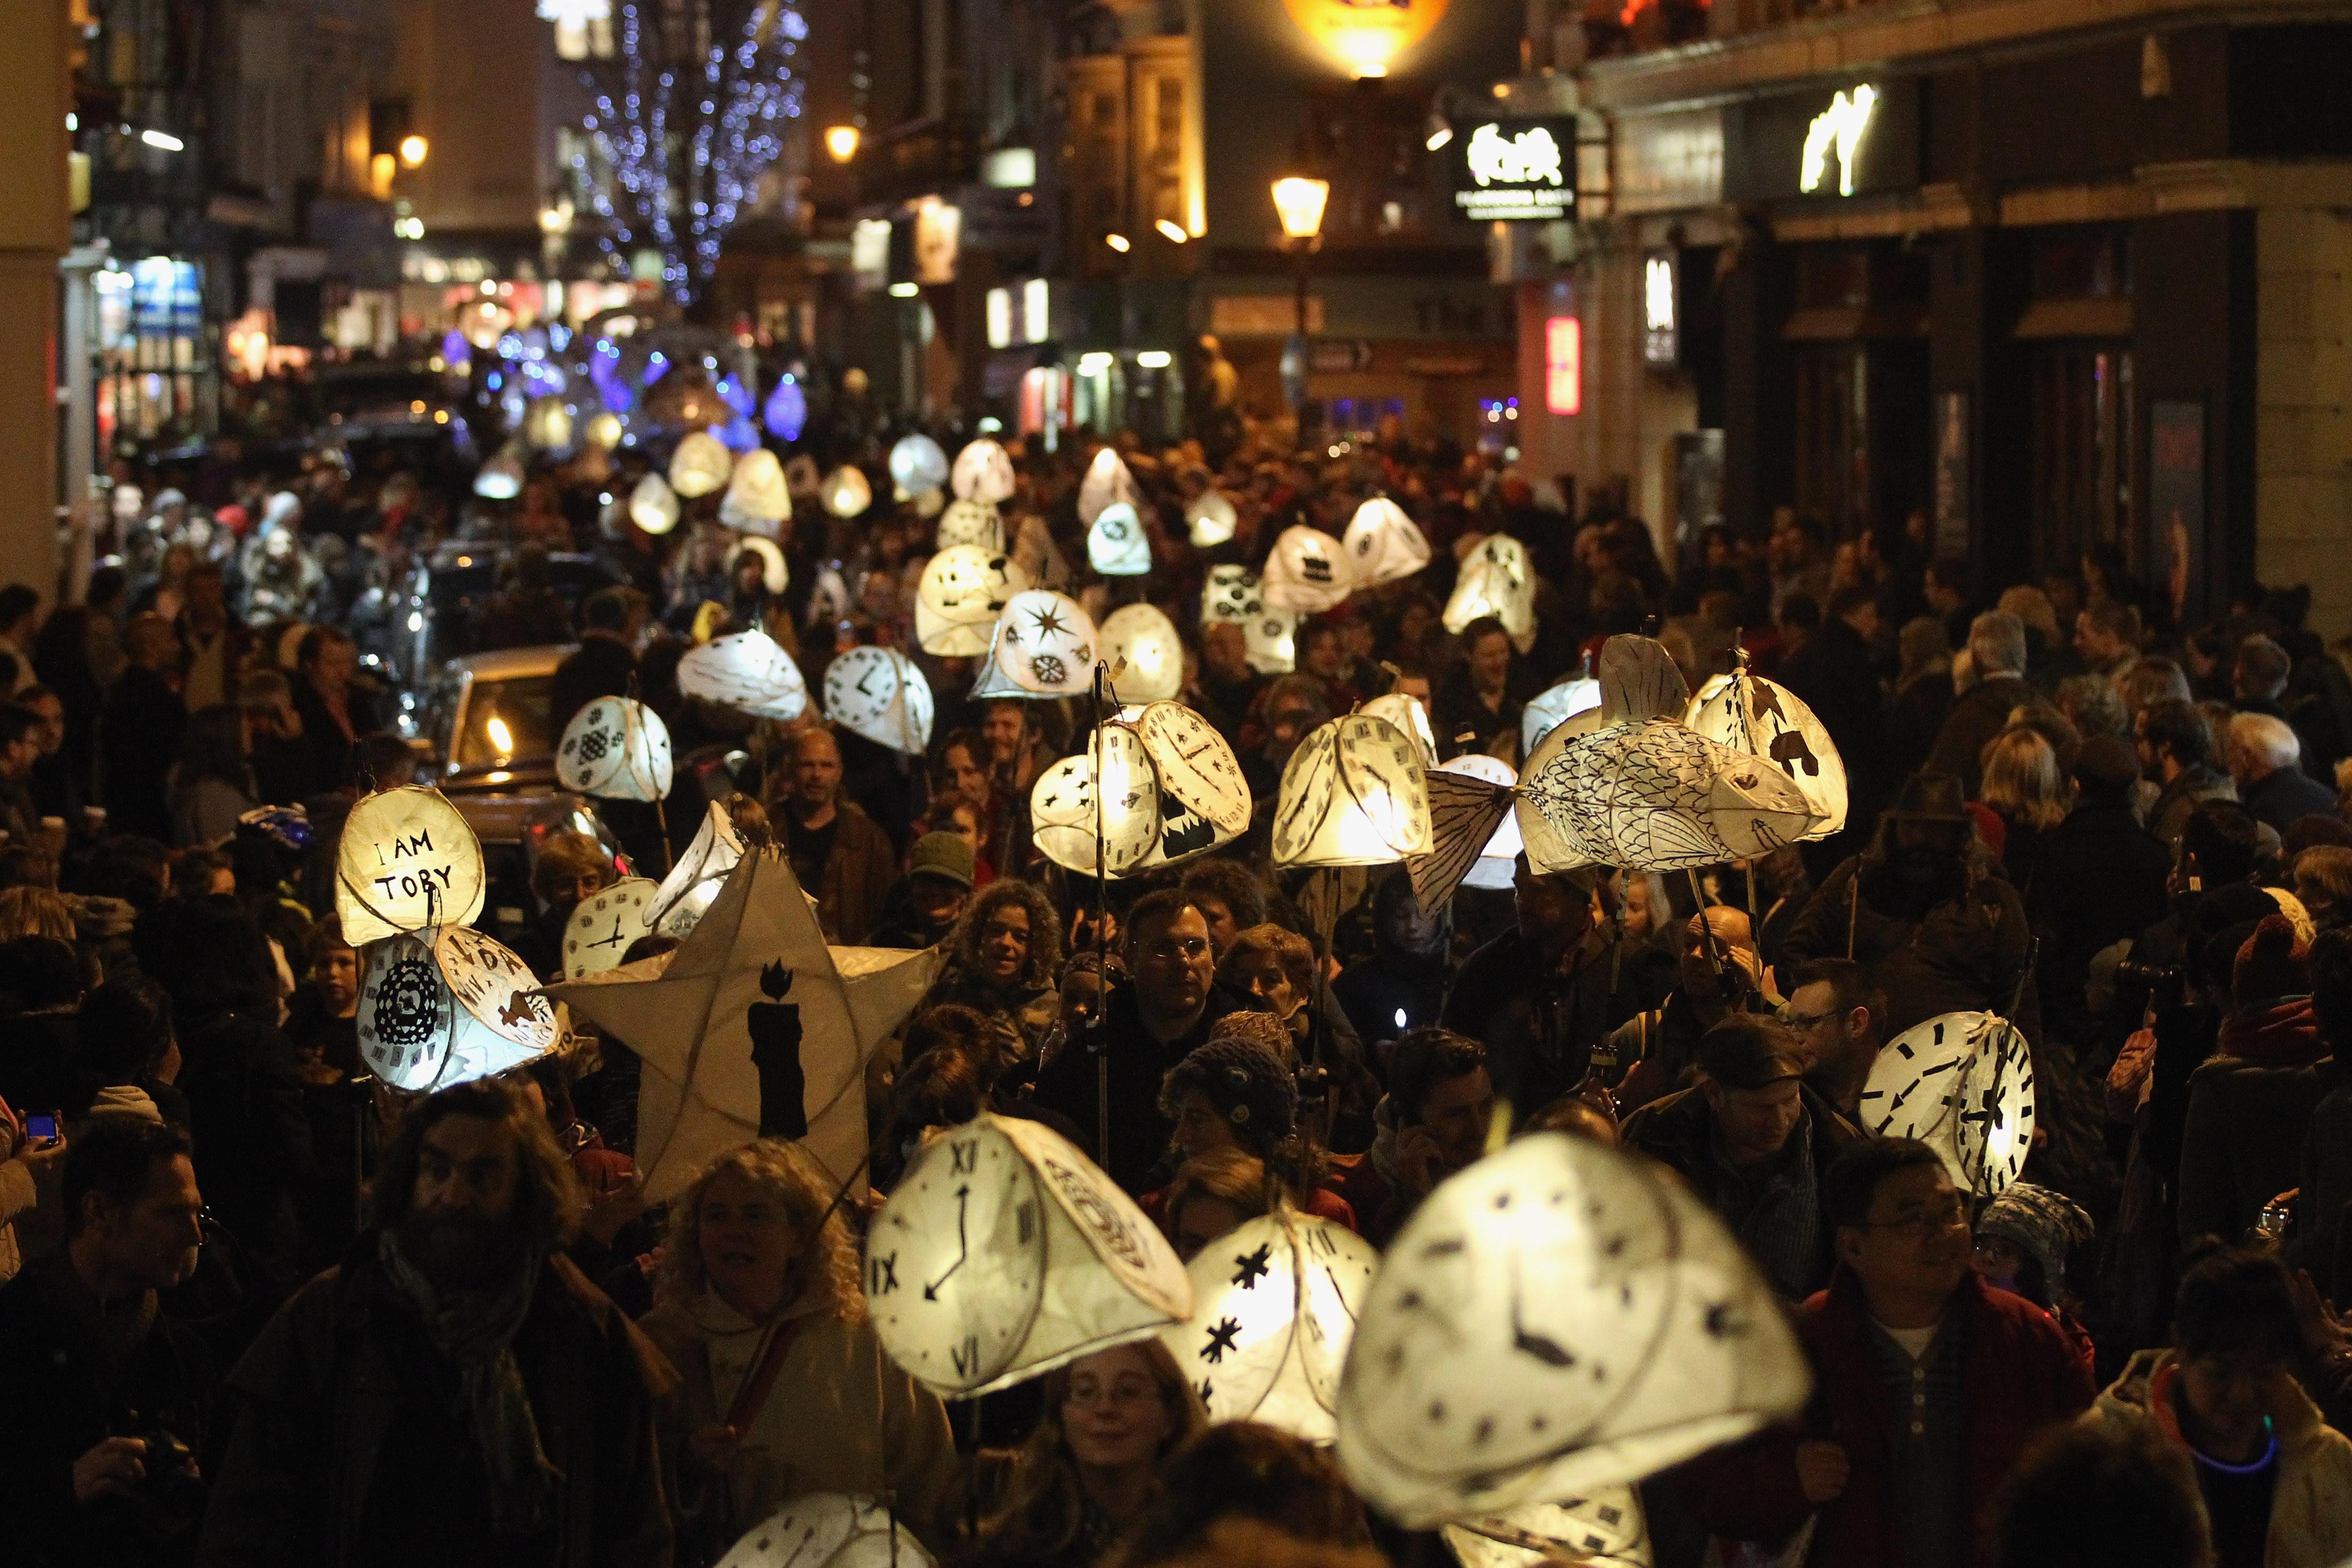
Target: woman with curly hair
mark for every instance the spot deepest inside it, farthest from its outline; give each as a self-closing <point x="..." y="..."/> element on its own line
<point x="1092" y="1465"/>
<point x="785" y="1387"/>
<point x="1002" y="960"/>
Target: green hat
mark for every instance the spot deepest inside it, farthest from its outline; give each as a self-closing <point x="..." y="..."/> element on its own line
<point x="942" y="855"/>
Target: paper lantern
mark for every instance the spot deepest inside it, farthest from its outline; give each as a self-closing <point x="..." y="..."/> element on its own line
<point x="754" y="1028"/>
<point x="1496" y="581"/>
<point x="828" y="1530"/>
<point x="1231" y="593"/>
<point x="444" y="1011"/>
<point x="598" y="935"/>
<point x="1045" y="644"/>
<point x="615" y="748"/>
<point x="1309" y="572"/>
<point x="1473" y="841"/>
<point x="1271" y="641"/>
<point x="749" y="672"/>
<point x="1409" y="714"/>
<point x="1605" y="1529"/>
<point x="1640" y="788"/>
<point x="499" y="479"/>
<point x="1273" y="1309"/>
<point x="1211" y="520"/>
<point x="1146" y="640"/>
<point x="1071" y="796"/>
<point x="972" y="523"/>
<point x="1005" y="1253"/>
<point x="756" y="500"/>
<point x="1963" y="1084"/>
<point x="1547" y="710"/>
<point x="847" y="494"/>
<point x="1034" y="548"/>
<point x="963" y="590"/>
<point x="1116" y="543"/>
<point x="604" y="430"/>
<point x="877" y="692"/>
<point x="1106" y="482"/>
<point x="917" y="464"/>
<point x="982" y="474"/>
<point x="1352" y="794"/>
<point x="1766" y="720"/>
<point x="547" y="423"/>
<point x="700" y="465"/>
<point x="687" y="893"/>
<point x="406" y="859"/>
<point x="1199" y="777"/>
<point x="1383" y="544"/>
<point x="786" y="412"/>
<point x="653" y="505"/>
<point x="1561" y="1316"/>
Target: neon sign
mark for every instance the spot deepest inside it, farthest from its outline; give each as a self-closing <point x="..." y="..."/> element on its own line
<point x="1838" y="129"/>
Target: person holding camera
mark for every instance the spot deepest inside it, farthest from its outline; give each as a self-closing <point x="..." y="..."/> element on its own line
<point x="112" y="1398"/>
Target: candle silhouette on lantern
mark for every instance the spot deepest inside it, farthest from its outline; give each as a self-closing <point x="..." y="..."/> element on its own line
<point x="774" y="1026"/>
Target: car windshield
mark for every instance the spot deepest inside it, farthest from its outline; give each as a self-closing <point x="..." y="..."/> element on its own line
<point x="506" y="721"/>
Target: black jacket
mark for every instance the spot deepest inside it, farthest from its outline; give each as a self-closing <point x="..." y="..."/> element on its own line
<point x="1835" y="674"/>
<point x="1976" y="716"/>
<point x="252" y="1131"/>
<point x="1138" y="1132"/>
<point x="1539" y="1029"/>
<point x="2286" y="797"/>
<point x="601" y="667"/>
<point x="139" y="738"/>
<point x="2099" y="880"/>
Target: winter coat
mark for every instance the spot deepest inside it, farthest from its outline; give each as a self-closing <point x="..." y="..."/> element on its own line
<point x="2311" y="1508"/>
<point x="2326" y="1183"/>
<point x="1976" y="716"/>
<point x="1834" y="675"/>
<point x="857" y="878"/>
<point x="2100" y="880"/>
<point x="1966" y="953"/>
<point x="2178" y="801"/>
<point x="252" y="1132"/>
<point x="1021" y="1015"/>
<point x="2244" y="1140"/>
<point x="2285" y="795"/>
<point x="1140" y="1134"/>
<point x="1539" y="1029"/>
<point x="839" y="1417"/>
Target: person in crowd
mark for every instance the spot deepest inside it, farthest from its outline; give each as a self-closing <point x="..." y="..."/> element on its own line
<point x="1243" y="1470"/>
<point x="212" y="782"/>
<point x="139" y="736"/>
<point x="966" y="769"/>
<point x="322" y="1016"/>
<point x="2177" y="754"/>
<point x="571" y="868"/>
<point x="1237" y="1091"/>
<point x="457" y="1355"/>
<point x="41" y="988"/>
<point x="784" y="1389"/>
<point x="2099" y="878"/>
<point x="1716" y="977"/>
<point x="2024" y="787"/>
<point x="2106" y="639"/>
<point x="1434" y="1121"/>
<point x="1835" y="676"/>
<point x="924" y="905"/>
<point x="2263" y="753"/>
<point x="1754" y="1141"/>
<point x="1484" y="697"/>
<point x="2100" y="1494"/>
<point x="284" y="768"/>
<point x="1228" y="687"/>
<point x="213" y="648"/>
<point x="1087" y="1473"/>
<point x="1840" y="1013"/>
<point x="129" y="1055"/>
<point x="1929" y="1383"/>
<point x="112" y="1396"/>
<point x="838" y="852"/>
<point x="2023" y="1240"/>
<point x="1539" y="995"/>
<point x="20" y="751"/>
<point x="1212" y="1193"/>
<point x="2273" y="1480"/>
<point x="949" y="812"/>
<point x="1996" y="654"/>
<point x="335" y="711"/>
<point x="1004" y="956"/>
<point x="1230" y="898"/>
<point x="602" y="665"/>
<point x="1402" y="986"/>
<point x="1277" y="968"/>
<point x="29" y="1166"/>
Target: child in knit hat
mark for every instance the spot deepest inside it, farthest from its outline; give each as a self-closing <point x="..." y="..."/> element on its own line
<point x="1238" y="1091"/>
<point x="2023" y="1238"/>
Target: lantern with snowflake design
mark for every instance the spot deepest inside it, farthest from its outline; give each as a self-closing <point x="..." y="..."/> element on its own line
<point x="615" y="748"/>
<point x="1116" y="543"/>
<point x="448" y="1006"/>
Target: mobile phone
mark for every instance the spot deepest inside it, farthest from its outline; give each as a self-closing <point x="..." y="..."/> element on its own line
<point x="42" y="1127"/>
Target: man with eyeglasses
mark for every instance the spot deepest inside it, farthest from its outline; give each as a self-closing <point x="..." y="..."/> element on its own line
<point x="1838" y="1011"/>
<point x="1150" y="1023"/>
<point x="1930" y="1383"/>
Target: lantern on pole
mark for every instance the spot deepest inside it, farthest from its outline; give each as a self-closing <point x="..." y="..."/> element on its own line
<point x="1147" y="641"/>
<point x="693" y="883"/>
<point x="406" y="861"/>
<point x="1963" y="1084"/>
<point x="448" y="1006"/>
<point x="917" y="464"/>
<point x="1352" y="794"/>
<point x="1309" y="572"/>
<point x="1496" y="581"/>
<point x="1383" y="544"/>
<point x="597" y="936"/>
<point x="615" y="748"/>
<point x="963" y="590"/>
<point x="1116" y="543"/>
<point x="1469" y="827"/>
<point x="1547" y="710"/>
<point x="879" y="694"/>
<point x="1409" y="714"/>
<point x="1766" y="720"/>
<point x="700" y="464"/>
<point x="1005" y="1253"/>
<point x="1044" y="647"/>
<point x="748" y="672"/>
<point x="982" y="474"/>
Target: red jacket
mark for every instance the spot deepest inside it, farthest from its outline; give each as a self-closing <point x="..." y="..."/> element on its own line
<point x="2020" y="1374"/>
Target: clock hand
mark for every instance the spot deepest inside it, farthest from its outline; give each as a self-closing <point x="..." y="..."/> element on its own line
<point x="963" y="1247"/>
<point x="614" y="939"/>
<point x="1550" y="1351"/>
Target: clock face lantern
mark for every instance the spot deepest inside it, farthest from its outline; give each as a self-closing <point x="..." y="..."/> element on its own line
<point x="1273" y="1306"/>
<point x="406" y="861"/>
<point x="1147" y="641"/>
<point x="1106" y="483"/>
<point x="1117" y="544"/>
<point x="963" y="590"/>
<point x="1044" y="647"/>
<point x="972" y="523"/>
<point x="1548" y="710"/>
<point x="1496" y="581"/>
<point x="828" y="1530"/>
<point x="846" y="492"/>
<point x="1210" y="519"/>
<point x="748" y="672"/>
<point x="1606" y="1529"/>
<point x="983" y="473"/>
<point x="696" y="877"/>
<point x="917" y="464"/>
<point x="444" y="1007"/>
<point x="653" y="505"/>
<point x="603" y="926"/>
<point x="1766" y="720"/>
<point x="1561" y="1316"/>
<point x="1963" y="1084"/>
<point x="879" y="694"/>
<point x="1005" y="1253"/>
<point x="1172" y="789"/>
<point x="1309" y="572"/>
<point x="699" y="466"/>
<point x="615" y="748"/>
<point x="1383" y="544"/>
<point x="1410" y="714"/>
<point x="1352" y="794"/>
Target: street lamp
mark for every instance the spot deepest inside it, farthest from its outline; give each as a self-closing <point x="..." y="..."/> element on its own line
<point x="841" y="142"/>
<point x="1299" y="202"/>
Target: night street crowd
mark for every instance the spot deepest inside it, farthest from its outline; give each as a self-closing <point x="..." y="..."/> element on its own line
<point x="261" y="1311"/>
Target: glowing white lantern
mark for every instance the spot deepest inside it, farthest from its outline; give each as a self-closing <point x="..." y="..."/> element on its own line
<point x="1146" y="640"/>
<point x="972" y="523"/>
<point x="1116" y="543"/>
<point x="917" y="464"/>
<point x="829" y="1530"/>
<point x="1065" y="802"/>
<point x="1473" y="838"/>
<point x="1045" y="644"/>
<point x="845" y="492"/>
<point x="1559" y="1316"/>
<point x="1409" y="714"/>
<point x="604" y="430"/>
<point x="1231" y="593"/>
<point x="700" y="465"/>
<point x="749" y="672"/>
<point x="1106" y="482"/>
<point x="1496" y="581"/>
<point x="547" y="423"/>
<point x="1383" y="544"/>
<point x="459" y="1006"/>
<point x="964" y="589"/>
<point x="615" y="748"/>
<point x="500" y="478"/>
<point x="1274" y="1308"/>
<point x="687" y="893"/>
<point x="756" y="500"/>
<point x="601" y="929"/>
<point x="928" y="503"/>
<point x="879" y="694"/>
<point x="406" y="861"/>
<point x="653" y="505"/>
<point x="1963" y="1084"/>
<point x="1005" y="1253"/>
<point x="1205" y="801"/>
<point x="1271" y="641"/>
<point x="1211" y="520"/>
<point x="1309" y="572"/>
<point x="1766" y="720"/>
<point x="1034" y="548"/>
<point x="1352" y="794"/>
<point x="1605" y="1529"/>
<point x="1549" y="709"/>
<point x="982" y="474"/>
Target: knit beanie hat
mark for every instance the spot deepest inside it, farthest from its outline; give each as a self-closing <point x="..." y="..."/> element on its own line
<point x="2046" y="1225"/>
<point x="2270" y="965"/>
<point x="1248" y="1084"/>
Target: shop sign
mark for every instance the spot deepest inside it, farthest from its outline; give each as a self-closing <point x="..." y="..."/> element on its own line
<point x="1837" y="130"/>
<point x="1515" y="171"/>
<point x="1347" y="354"/>
<point x="1661" y="331"/>
<point x="1825" y="143"/>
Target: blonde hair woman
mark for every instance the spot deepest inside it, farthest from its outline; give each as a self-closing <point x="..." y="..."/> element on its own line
<point x="2026" y="791"/>
<point x="786" y="1389"/>
<point x="35" y="912"/>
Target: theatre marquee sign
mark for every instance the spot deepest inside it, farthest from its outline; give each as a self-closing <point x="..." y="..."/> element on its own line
<point x="1515" y="171"/>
